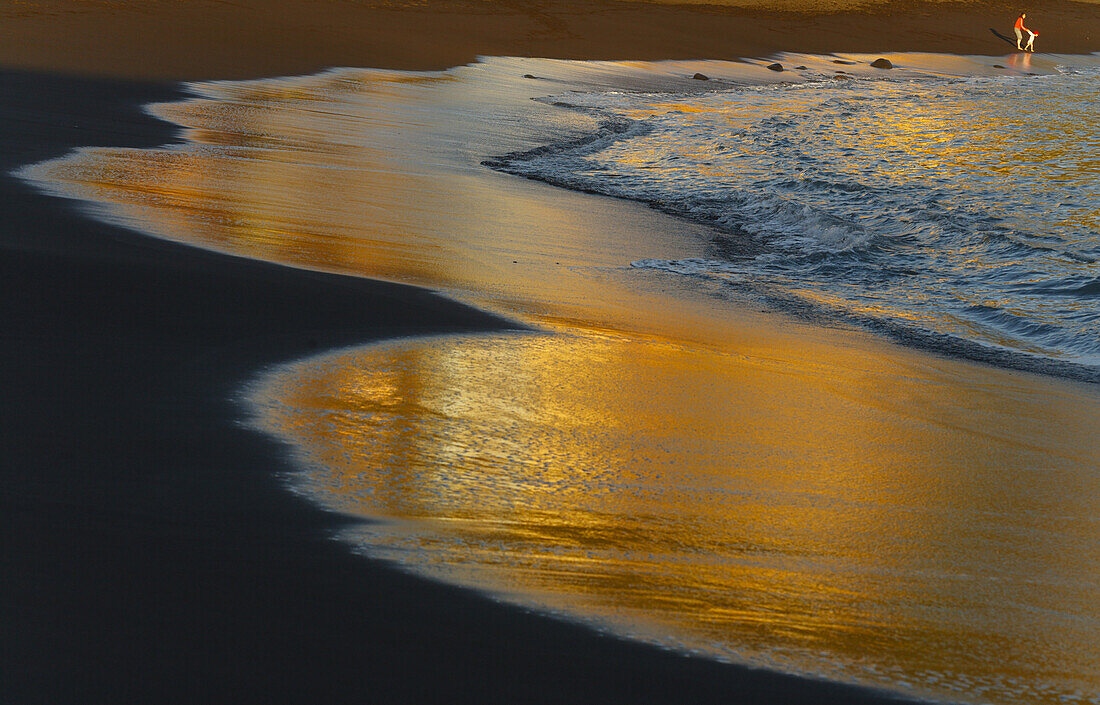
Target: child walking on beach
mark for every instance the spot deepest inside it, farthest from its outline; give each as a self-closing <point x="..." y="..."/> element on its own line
<point x="1019" y="29"/>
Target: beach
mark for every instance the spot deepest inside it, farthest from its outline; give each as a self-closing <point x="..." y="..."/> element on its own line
<point x="149" y="554"/>
<point x="152" y="552"/>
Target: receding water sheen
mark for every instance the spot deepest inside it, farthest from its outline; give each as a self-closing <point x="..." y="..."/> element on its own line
<point x="951" y="210"/>
<point x="778" y="404"/>
<point x="798" y="515"/>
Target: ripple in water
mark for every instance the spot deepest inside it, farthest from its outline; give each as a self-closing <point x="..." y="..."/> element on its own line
<point x="950" y="209"/>
<point x="783" y="497"/>
<point x="880" y="524"/>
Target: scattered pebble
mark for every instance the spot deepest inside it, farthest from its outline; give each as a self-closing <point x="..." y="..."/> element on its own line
<point x="775" y="67"/>
<point x="700" y="77"/>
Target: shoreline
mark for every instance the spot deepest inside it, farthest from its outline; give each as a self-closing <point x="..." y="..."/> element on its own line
<point x="207" y="39"/>
<point x="50" y="177"/>
<point x="150" y="556"/>
<point x="905" y="67"/>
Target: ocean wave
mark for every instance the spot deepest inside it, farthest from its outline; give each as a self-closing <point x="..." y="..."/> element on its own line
<point x="888" y="200"/>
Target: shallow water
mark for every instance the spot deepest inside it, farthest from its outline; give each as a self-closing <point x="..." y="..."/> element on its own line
<point x="880" y="524"/>
<point x="958" y="210"/>
<point x="712" y="448"/>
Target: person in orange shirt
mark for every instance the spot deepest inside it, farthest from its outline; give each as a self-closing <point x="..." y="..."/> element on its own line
<point x="1019" y="28"/>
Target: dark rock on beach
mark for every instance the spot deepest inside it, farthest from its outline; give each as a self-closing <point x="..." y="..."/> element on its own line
<point x="882" y="64"/>
<point x="701" y="77"/>
<point x="775" y="67"/>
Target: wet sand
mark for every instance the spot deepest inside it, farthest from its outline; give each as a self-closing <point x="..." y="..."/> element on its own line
<point x="149" y="556"/>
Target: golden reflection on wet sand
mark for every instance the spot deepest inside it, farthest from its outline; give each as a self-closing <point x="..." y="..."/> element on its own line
<point x="877" y="522"/>
<point x="370" y="173"/>
<point x="666" y="463"/>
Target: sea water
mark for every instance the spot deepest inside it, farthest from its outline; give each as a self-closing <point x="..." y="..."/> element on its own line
<point x="707" y="446"/>
<point x="957" y="213"/>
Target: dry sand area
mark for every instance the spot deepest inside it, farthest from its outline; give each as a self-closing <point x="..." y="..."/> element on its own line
<point x="168" y="39"/>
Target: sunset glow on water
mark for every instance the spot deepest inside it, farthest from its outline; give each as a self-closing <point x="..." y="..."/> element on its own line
<point x="870" y="524"/>
<point x="727" y="434"/>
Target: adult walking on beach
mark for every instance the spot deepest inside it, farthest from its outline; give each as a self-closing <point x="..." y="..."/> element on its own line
<point x="1019" y="29"/>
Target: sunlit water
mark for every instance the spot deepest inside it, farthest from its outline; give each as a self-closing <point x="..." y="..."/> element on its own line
<point x="689" y="456"/>
<point x="805" y="516"/>
<point x="951" y="211"/>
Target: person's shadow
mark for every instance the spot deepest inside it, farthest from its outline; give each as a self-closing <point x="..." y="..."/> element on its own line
<point x="1007" y="39"/>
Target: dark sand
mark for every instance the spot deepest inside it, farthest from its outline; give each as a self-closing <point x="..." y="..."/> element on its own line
<point x="149" y="556"/>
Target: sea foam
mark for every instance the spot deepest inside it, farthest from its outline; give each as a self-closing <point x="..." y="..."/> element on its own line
<point x="962" y="209"/>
